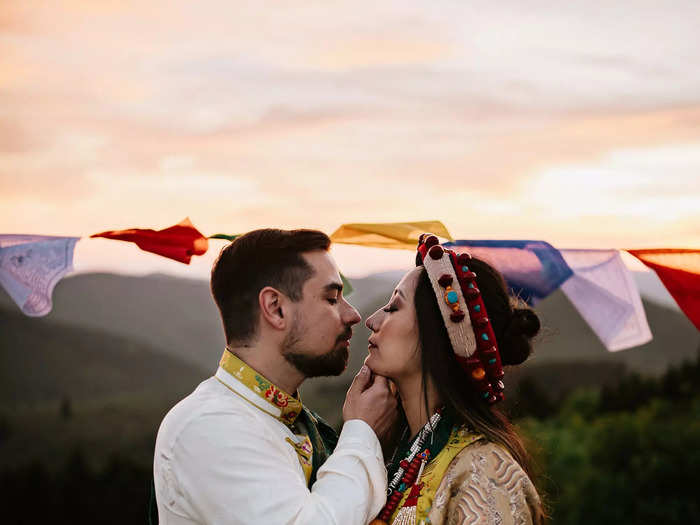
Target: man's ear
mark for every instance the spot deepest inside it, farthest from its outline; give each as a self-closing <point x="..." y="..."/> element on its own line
<point x="273" y="304"/>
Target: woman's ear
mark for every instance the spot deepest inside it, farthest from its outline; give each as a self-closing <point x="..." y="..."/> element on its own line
<point x="272" y="305"/>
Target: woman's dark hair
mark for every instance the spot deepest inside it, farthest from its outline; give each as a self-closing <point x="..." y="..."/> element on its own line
<point x="514" y="325"/>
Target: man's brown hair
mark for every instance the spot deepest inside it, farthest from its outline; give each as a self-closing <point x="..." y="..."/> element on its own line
<point x="266" y="257"/>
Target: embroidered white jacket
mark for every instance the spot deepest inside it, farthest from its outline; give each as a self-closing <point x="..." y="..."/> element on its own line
<point x="222" y="458"/>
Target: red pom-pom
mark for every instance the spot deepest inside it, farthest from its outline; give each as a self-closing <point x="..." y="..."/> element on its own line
<point x="436" y="251"/>
<point x="470" y="276"/>
<point x="463" y="258"/>
<point x="472" y="293"/>
<point x="403" y="464"/>
<point x="431" y="240"/>
<point x="421" y="238"/>
<point x="457" y="316"/>
<point x="445" y="280"/>
<point x="482" y="322"/>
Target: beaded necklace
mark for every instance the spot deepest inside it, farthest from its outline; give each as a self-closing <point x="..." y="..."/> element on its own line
<point x="409" y="473"/>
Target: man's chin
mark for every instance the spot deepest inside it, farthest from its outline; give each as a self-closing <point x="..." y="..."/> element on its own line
<point x="332" y="363"/>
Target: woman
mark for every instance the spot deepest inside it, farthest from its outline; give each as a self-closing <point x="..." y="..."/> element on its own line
<point x="443" y="338"/>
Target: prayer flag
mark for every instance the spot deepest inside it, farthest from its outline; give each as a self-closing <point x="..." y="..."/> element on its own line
<point x="393" y="235"/>
<point x="604" y="292"/>
<point x="30" y="267"/>
<point x="224" y="236"/>
<point x="179" y="242"/>
<point x="679" y="270"/>
<point x="532" y="269"/>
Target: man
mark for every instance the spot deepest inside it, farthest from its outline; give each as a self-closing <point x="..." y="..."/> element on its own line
<point x="242" y="448"/>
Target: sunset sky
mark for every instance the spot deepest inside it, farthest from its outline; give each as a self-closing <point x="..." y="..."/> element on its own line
<point x="573" y="122"/>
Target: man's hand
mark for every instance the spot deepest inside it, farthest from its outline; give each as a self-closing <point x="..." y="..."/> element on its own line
<point x="371" y="400"/>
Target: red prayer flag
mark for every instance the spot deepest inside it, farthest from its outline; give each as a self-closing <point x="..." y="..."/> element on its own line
<point x="679" y="270"/>
<point x="179" y="242"/>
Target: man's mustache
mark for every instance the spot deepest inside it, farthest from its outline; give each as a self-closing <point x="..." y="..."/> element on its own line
<point x="345" y="336"/>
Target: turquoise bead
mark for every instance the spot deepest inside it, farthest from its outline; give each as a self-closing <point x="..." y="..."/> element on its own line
<point x="477" y="308"/>
<point x="492" y="361"/>
<point x="402" y="487"/>
<point x="465" y="269"/>
<point x="471" y="285"/>
<point x="485" y="337"/>
<point x="485" y="395"/>
<point x="452" y="297"/>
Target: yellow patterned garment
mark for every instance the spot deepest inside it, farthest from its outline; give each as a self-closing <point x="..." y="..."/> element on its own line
<point x="485" y="485"/>
<point x="472" y="481"/>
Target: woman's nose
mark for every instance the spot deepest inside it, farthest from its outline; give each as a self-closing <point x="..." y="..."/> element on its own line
<point x="371" y="322"/>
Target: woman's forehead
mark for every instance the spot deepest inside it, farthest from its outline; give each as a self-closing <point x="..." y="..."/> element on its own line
<point x="408" y="282"/>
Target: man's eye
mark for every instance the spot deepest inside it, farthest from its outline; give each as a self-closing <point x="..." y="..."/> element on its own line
<point x="332" y="300"/>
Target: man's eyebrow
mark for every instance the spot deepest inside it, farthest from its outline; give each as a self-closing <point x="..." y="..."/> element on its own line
<point x="333" y="286"/>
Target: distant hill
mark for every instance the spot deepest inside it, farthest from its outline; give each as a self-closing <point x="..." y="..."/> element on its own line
<point x="45" y="360"/>
<point x="176" y="318"/>
<point x="65" y="386"/>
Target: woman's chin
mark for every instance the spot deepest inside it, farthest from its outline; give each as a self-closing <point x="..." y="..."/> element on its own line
<point x="371" y="363"/>
<point x="375" y="365"/>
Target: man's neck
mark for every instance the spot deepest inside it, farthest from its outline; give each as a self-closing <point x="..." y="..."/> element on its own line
<point x="413" y="401"/>
<point x="268" y="361"/>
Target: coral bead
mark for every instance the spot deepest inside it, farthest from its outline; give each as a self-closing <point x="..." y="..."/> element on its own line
<point x="456" y="317"/>
<point x="436" y="252"/>
<point x="478" y="374"/>
<point x="377" y="521"/>
<point x="445" y="280"/>
<point x="481" y="322"/>
<point x="472" y="293"/>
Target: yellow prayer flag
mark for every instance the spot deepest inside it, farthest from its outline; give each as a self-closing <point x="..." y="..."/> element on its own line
<point x="393" y="235"/>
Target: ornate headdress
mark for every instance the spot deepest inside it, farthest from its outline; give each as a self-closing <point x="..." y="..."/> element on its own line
<point x="465" y="316"/>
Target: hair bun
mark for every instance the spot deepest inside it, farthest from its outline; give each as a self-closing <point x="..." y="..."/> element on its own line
<point x="526" y="322"/>
<point x="523" y="326"/>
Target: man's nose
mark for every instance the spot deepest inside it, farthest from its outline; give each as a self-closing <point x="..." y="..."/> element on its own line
<point x="352" y="316"/>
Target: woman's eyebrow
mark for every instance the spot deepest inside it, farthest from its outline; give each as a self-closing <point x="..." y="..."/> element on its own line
<point x="398" y="291"/>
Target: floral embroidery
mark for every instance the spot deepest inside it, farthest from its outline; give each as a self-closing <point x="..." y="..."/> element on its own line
<point x="288" y="405"/>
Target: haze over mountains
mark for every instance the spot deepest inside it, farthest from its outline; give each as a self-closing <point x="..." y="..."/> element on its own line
<point x="176" y="319"/>
<point x="117" y="352"/>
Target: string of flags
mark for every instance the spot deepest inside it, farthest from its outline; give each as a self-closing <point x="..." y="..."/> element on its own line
<point x="597" y="282"/>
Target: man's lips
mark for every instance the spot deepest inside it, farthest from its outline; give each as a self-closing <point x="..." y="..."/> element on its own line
<point x="345" y="338"/>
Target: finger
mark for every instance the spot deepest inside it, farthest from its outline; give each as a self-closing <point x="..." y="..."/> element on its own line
<point x="380" y="384"/>
<point x="361" y="380"/>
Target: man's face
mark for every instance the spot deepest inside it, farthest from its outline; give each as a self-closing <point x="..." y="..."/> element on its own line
<point x="318" y="341"/>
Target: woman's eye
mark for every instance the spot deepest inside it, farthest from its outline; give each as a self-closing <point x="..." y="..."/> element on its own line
<point x="390" y="309"/>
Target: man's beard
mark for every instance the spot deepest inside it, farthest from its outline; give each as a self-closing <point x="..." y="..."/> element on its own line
<point x="331" y="363"/>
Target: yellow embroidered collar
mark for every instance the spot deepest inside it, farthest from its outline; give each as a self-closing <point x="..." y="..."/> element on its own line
<point x="287" y="406"/>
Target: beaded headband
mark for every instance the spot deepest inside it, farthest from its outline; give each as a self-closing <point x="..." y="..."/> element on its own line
<point x="472" y="336"/>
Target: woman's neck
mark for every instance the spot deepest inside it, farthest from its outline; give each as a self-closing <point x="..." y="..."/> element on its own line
<point x="413" y="401"/>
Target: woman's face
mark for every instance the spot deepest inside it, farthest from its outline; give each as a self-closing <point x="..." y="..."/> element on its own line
<point x="393" y="345"/>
